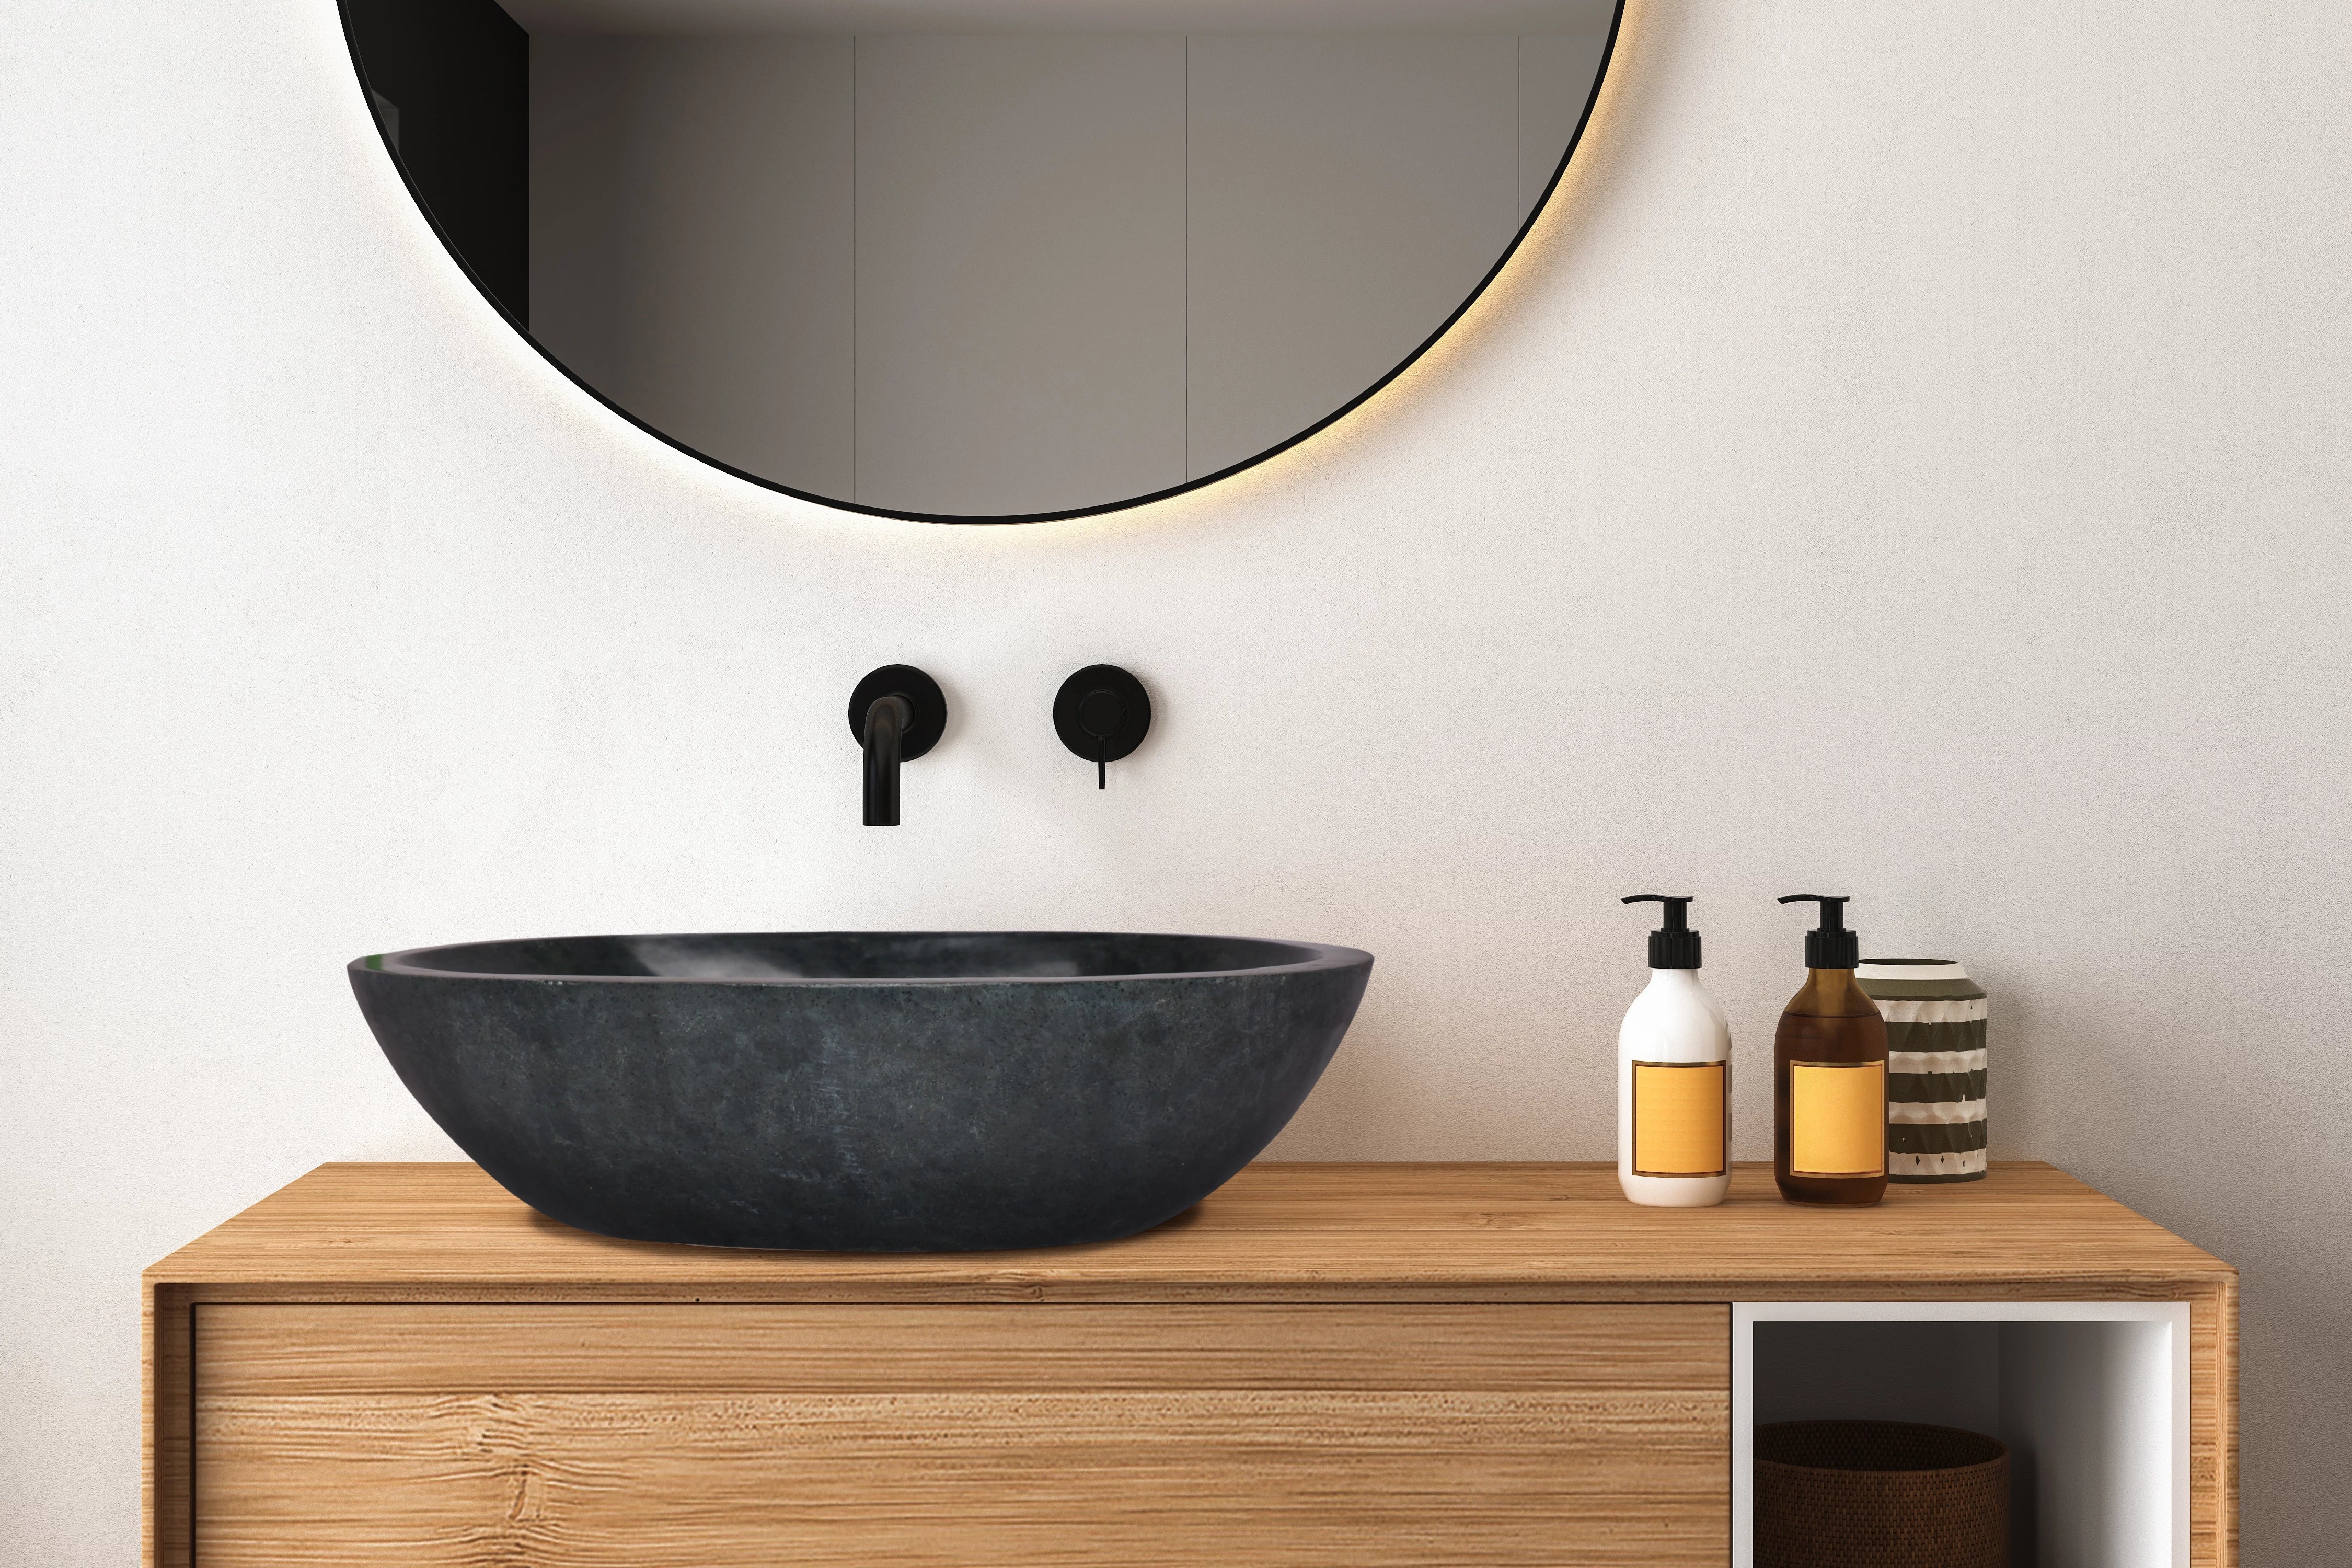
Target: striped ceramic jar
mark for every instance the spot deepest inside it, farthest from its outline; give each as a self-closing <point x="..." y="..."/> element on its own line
<point x="1934" y="1068"/>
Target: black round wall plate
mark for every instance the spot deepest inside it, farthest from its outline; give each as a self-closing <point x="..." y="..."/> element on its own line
<point x="922" y="694"/>
<point x="1102" y="714"/>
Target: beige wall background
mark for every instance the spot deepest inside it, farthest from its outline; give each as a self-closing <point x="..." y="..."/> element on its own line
<point x="1909" y="462"/>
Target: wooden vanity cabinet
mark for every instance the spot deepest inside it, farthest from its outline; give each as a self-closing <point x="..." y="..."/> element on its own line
<point x="1323" y="1364"/>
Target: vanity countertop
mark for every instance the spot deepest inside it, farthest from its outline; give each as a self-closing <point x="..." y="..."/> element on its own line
<point x="388" y="1232"/>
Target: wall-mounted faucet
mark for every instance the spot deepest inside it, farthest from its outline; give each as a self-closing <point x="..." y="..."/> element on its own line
<point x="898" y="713"/>
<point x="1102" y="714"/>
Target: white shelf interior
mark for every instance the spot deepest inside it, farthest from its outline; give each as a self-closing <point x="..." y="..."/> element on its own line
<point x="2092" y="1398"/>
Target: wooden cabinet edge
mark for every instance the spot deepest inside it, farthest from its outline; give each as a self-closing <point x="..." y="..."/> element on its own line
<point x="1670" y="1293"/>
<point x="2226" y="1396"/>
<point x="167" y="1436"/>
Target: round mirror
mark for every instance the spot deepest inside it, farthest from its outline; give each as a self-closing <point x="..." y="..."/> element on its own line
<point x="982" y="260"/>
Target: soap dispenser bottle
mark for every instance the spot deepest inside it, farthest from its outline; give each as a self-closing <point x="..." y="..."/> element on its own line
<point x="1673" y="1077"/>
<point x="1829" y="1075"/>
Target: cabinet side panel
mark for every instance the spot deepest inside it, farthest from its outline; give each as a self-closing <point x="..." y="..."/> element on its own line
<point x="2214" y="1428"/>
<point x="1358" y="1436"/>
<point x="165" y="1421"/>
<point x="2088" y="1410"/>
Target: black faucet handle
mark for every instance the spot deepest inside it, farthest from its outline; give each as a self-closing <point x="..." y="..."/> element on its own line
<point x="1102" y="714"/>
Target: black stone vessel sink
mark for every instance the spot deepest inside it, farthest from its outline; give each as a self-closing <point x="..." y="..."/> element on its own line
<point x="863" y="1092"/>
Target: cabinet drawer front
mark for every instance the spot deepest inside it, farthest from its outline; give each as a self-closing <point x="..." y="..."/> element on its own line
<point x="642" y="1436"/>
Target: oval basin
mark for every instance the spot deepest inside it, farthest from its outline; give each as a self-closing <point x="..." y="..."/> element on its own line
<point x="863" y="1092"/>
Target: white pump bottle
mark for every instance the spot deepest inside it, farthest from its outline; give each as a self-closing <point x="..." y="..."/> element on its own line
<point x="1673" y="1078"/>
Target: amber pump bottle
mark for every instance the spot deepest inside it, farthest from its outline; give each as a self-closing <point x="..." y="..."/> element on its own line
<point x="1829" y="1075"/>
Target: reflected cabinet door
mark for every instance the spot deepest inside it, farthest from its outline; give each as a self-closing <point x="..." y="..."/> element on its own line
<point x="633" y="1436"/>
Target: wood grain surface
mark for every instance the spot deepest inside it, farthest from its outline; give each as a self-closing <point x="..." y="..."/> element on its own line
<point x="722" y="1435"/>
<point x="1312" y="1231"/>
<point x="166" y="1449"/>
<point x="527" y="1390"/>
<point x="316" y="1350"/>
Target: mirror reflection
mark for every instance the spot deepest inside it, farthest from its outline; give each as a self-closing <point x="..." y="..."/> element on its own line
<point x="981" y="259"/>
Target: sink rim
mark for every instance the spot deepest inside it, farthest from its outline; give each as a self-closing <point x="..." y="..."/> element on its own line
<point x="1313" y="955"/>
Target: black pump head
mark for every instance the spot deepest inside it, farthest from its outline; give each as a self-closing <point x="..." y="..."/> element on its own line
<point x="1673" y="945"/>
<point x="1829" y="945"/>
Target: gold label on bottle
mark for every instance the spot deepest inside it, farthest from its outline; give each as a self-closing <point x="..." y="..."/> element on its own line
<point x="1678" y="1116"/>
<point x="1837" y="1119"/>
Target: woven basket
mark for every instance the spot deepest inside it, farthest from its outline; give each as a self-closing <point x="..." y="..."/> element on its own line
<point x="1879" y="1494"/>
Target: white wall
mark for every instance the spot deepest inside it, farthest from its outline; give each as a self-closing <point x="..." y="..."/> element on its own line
<point x="1909" y="459"/>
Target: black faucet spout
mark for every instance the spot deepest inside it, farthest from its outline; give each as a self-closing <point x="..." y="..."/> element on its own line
<point x="896" y="714"/>
<point x="885" y="737"/>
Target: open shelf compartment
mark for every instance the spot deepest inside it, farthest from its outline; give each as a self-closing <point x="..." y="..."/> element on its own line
<point x="2092" y="1398"/>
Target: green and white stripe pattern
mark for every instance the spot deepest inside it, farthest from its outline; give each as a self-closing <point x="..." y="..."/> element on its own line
<point x="1936" y="1122"/>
